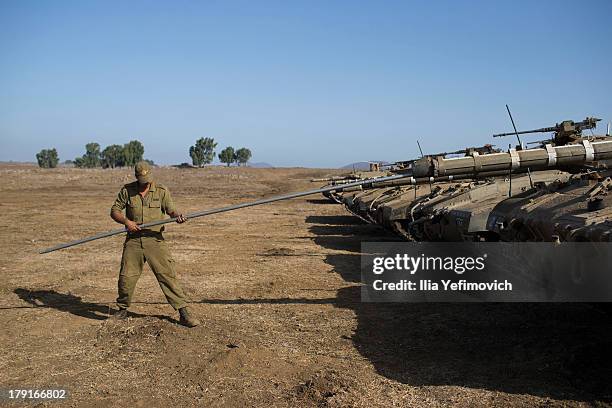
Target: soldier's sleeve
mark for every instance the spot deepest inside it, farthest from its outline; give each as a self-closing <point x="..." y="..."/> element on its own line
<point x="168" y="206"/>
<point x="121" y="201"/>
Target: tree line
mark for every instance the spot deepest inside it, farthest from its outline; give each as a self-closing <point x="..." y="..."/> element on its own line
<point x="202" y="153"/>
<point x="112" y="156"/>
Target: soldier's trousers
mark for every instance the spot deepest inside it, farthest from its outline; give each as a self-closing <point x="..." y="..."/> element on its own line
<point x="151" y="249"/>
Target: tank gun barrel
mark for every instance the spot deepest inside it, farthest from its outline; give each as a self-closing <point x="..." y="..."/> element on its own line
<point x="431" y="169"/>
<point x="487" y="148"/>
<point x="564" y="131"/>
<point x="412" y="181"/>
<point x="566" y="156"/>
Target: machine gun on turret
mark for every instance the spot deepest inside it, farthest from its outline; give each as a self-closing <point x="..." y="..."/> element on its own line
<point x="566" y="132"/>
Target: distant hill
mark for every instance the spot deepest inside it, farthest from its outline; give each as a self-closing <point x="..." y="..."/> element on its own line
<point x="261" y="165"/>
<point x="18" y="162"/>
<point x="362" y="165"/>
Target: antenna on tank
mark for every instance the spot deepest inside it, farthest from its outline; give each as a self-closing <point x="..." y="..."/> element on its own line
<point x="421" y="150"/>
<point x="422" y="155"/>
<point x="510" y="171"/>
<point x="510" y="147"/>
<point x="515" y="131"/>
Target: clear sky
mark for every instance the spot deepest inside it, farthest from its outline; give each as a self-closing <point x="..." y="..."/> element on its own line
<point x="312" y="83"/>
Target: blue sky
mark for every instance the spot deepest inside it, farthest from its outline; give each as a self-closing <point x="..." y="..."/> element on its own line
<point x="313" y="83"/>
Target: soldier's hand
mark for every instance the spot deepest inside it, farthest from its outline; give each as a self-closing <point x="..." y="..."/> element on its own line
<point x="131" y="226"/>
<point x="180" y="219"/>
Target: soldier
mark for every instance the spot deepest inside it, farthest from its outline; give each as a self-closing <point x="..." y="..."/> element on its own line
<point x="144" y="201"/>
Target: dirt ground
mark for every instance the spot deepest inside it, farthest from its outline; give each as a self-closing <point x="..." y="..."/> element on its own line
<point x="277" y="290"/>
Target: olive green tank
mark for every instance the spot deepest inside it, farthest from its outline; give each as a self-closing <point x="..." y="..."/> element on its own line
<point x="559" y="190"/>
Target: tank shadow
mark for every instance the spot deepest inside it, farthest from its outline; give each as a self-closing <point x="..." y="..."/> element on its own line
<point x="347" y="237"/>
<point x="560" y="351"/>
<point x="67" y="302"/>
<point x="334" y="220"/>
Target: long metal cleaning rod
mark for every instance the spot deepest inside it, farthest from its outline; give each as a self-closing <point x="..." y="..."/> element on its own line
<point x="225" y="209"/>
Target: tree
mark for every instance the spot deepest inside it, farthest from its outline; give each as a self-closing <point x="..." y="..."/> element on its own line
<point x="227" y="155"/>
<point x="92" y="154"/>
<point x="203" y="152"/>
<point x="243" y="155"/>
<point x="79" y="162"/>
<point x="91" y="158"/>
<point x="132" y="153"/>
<point x="47" y="158"/>
<point x="112" y="156"/>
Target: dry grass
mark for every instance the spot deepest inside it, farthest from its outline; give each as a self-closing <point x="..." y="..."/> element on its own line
<point x="276" y="289"/>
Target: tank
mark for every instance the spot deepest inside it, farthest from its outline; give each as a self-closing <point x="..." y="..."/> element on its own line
<point x="556" y="191"/>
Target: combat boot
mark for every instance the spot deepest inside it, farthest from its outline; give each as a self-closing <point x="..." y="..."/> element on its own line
<point x="187" y="319"/>
<point x="120" y="314"/>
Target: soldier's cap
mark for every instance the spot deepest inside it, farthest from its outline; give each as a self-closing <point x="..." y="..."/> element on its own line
<point x="142" y="171"/>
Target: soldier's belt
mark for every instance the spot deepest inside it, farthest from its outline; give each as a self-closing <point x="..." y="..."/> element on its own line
<point x="145" y="233"/>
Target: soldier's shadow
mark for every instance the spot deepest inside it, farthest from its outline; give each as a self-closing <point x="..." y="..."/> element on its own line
<point x="75" y="305"/>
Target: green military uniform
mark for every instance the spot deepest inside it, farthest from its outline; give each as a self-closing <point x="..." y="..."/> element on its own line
<point x="147" y="245"/>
